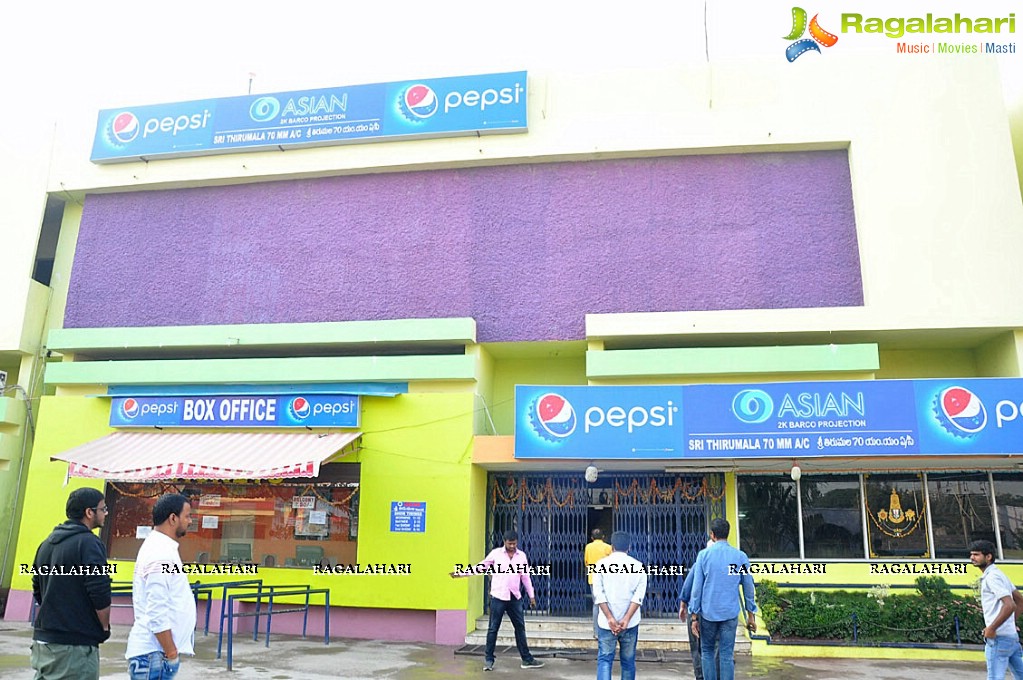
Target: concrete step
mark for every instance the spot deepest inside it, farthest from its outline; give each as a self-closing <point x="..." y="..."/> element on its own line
<point x="574" y="633"/>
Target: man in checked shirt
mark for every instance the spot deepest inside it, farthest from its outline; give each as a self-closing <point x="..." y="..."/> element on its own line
<point x="509" y="571"/>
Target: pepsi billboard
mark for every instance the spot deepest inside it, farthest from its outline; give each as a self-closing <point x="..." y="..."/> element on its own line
<point x="437" y="107"/>
<point x="843" y="418"/>
<point x="598" y="422"/>
<point x="314" y="410"/>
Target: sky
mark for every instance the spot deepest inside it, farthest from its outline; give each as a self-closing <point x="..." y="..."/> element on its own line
<point x="71" y="58"/>
<point x="141" y="53"/>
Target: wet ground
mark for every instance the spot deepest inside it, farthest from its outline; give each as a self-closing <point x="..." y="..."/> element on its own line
<point x="290" y="658"/>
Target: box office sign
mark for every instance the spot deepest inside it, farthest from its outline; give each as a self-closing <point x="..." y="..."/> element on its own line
<point x="436" y="107"/>
<point x="314" y="410"/>
<point x="853" y="418"/>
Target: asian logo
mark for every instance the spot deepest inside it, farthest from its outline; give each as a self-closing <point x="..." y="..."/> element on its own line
<point x="552" y="417"/>
<point x="418" y="102"/>
<point x="129" y="408"/>
<point x="960" y="412"/>
<point x="299" y="408"/>
<point x="752" y="406"/>
<point x="264" y="109"/>
<point x="818" y="36"/>
<point x="124" y="128"/>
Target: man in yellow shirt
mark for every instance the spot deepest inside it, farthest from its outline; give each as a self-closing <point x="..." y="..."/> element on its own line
<point x="596" y="550"/>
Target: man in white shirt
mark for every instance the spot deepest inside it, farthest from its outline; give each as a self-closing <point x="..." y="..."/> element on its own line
<point x="619" y="586"/>
<point x="1001" y="643"/>
<point x="164" y="625"/>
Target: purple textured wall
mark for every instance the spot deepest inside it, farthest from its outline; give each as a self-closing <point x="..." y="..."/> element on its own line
<point x="527" y="250"/>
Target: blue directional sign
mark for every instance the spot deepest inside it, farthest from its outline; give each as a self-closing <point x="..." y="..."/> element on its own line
<point x="408" y="516"/>
<point x="437" y="107"/>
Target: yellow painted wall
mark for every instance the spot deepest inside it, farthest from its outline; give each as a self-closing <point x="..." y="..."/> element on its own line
<point x="1000" y="357"/>
<point x="532" y="371"/>
<point x="914" y="364"/>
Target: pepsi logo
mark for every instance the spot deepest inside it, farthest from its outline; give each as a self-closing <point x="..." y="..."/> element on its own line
<point x="960" y="412"/>
<point x="124" y="127"/>
<point x="299" y="408"/>
<point x="553" y="417"/>
<point x="129" y="408"/>
<point x="418" y="102"/>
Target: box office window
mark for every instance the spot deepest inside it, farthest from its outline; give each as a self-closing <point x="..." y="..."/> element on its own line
<point x="296" y="523"/>
<point x="768" y="516"/>
<point x="1009" y="502"/>
<point x="960" y="512"/>
<point x="832" y="519"/>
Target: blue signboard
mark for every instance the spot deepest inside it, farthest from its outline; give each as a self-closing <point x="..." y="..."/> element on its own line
<point x="849" y="418"/>
<point x="812" y="419"/>
<point x="438" y="107"/>
<point x="408" y="517"/>
<point x="598" y="422"/>
<point x="970" y="416"/>
<point x="313" y="410"/>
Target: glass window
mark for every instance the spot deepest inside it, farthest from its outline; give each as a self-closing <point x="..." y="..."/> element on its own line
<point x="300" y="523"/>
<point x="895" y="515"/>
<point x="832" y="516"/>
<point x="1009" y="501"/>
<point x="960" y="512"/>
<point x="767" y="516"/>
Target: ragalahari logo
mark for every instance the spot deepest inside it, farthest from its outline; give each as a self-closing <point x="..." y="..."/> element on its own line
<point x="803" y="45"/>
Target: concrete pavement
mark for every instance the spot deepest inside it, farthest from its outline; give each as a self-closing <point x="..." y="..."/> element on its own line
<point x="291" y="658"/>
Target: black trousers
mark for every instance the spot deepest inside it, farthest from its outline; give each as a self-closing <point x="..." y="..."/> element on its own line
<point x="694" y="650"/>
<point x="497" y="611"/>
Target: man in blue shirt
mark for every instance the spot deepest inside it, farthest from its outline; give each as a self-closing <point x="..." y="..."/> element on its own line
<point x="717" y="574"/>
<point x="694" y="648"/>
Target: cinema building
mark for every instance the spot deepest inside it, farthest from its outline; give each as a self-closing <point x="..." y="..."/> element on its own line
<point x="804" y="319"/>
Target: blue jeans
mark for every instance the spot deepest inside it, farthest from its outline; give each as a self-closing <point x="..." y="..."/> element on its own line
<point x="606" y="643"/>
<point x="1003" y="652"/>
<point x="719" y="637"/>
<point x="497" y="611"/>
<point x="153" y="666"/>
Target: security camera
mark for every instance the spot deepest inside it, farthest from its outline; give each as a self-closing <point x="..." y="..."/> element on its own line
<point x="591" y="473"/>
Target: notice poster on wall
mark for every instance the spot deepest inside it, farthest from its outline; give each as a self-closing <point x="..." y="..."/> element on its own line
<point x="408" y="517"/>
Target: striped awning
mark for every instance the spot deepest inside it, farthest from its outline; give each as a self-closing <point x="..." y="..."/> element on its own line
<point x="149" y="456"/>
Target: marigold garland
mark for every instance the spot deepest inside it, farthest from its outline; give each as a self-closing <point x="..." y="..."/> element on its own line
<point x="521" y="491"/>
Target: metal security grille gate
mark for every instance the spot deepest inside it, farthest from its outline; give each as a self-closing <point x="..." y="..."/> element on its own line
<point x="667" y="516"/>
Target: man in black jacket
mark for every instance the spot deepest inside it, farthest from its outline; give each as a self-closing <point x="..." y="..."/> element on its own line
<point x="71" y="586"/>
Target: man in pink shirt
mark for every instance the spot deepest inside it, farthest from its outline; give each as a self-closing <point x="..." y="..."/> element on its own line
<point x="509" y="571"/>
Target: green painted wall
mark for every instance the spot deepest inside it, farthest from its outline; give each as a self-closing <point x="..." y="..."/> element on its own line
<point x="415" y="448"/>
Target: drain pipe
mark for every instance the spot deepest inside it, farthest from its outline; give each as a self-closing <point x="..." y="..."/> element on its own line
<point x="21" y="472"/>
